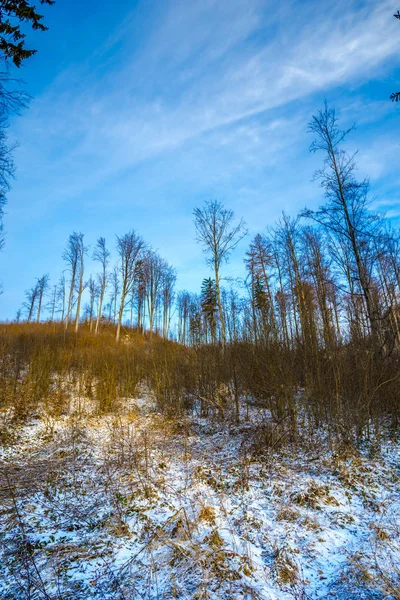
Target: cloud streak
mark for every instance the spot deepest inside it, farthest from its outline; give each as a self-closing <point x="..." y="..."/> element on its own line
<point x="206" y="67"/>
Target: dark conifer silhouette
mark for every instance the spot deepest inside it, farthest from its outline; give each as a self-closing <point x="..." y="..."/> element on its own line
<point x="12" y="40"/>
<point x="395" y="97"/>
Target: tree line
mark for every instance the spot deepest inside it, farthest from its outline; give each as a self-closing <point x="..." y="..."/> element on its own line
<point x="140" y="288"/>
<point x="321" y="279"/>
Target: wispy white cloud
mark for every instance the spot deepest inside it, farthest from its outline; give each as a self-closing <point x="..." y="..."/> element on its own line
<point x="202" y="67"/>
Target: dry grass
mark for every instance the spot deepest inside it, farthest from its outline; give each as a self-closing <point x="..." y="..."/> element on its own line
<point x="154" y="476"/>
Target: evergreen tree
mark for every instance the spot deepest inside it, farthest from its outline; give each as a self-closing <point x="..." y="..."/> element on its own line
<point x="209" y="304"/>
<point x="12" y="40"/>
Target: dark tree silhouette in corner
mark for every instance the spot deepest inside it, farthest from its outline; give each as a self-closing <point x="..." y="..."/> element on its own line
<point x="395" y="97"/>
<point x="12" y="40"/>
<point x="13" y="14"/>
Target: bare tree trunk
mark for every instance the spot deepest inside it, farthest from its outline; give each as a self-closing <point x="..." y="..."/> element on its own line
<point x="42" y="286"/>
<point x="129" y="246"/>
<point x="72" y="257"/>
<point x="53" y="304"/>
<point x="101" y="255"/>
<point x="81" y="251"/>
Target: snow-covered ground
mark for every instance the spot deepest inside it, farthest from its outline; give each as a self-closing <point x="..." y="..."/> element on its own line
<point x="136" y="506"/>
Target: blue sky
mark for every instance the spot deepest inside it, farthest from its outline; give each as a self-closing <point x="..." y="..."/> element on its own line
<point x="144" y="109"/>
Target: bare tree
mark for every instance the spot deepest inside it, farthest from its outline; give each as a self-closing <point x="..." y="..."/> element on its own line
<point x="42" y="286"/>
<point x="153" y="269"/>
<point x="94" y="292"/>
<point x="219" y="237"/>
<point x="31" y="296"/>
<point x="6" y="167"/>
<point x="2" y="234"/>
<point x="81" y="251"/>
<point x="101" y="255"/>
<point x="71" y="256"/>
<point x="139" y="291"/>
<point x="345" y="214"/>
<point x="53" y="303"/>
<point x="61" y="295"/>
<point x="115" y="290"/>
<point x="319" y="271"/>
<point x="129" y="247"/>
<point x="11" y="101"/>
<point x="195" y="320"/>
<point x="259" y="261"/>
<point x="167" y="292"/>
<point x="183" y="307"/>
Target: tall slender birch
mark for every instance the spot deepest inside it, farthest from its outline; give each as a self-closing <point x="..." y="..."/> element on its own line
<point x="81" y="251"/>
<point x="102" y="256"/>
<point x="71" y="257"/>
<point x="129" y="247"/>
